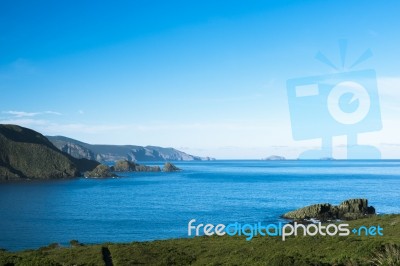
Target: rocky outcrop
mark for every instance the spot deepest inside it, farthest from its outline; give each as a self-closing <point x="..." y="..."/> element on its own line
<point x="169" y="167"/>
<point x="348" y="210"/>
<point x="354" y="209"/>
<point x="146" y="168"/>
<point x="101" y="171"/>
<point x="113" y="153"/>
<point x="127" y="166"/>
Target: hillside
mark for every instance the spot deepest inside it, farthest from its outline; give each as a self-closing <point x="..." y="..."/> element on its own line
<point x="113" y="153"/>
<point x="27" y="154"/>
<point x="300" y="250"/>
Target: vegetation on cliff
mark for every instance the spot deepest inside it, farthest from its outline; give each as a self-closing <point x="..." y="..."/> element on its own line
<point x="27" y="154"/>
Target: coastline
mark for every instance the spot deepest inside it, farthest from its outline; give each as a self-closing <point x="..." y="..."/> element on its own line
<point x="300" y="250"/>
<point x="75" y="208"/>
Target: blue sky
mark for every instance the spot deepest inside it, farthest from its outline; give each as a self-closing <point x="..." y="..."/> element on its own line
<point x="206" y="77"/>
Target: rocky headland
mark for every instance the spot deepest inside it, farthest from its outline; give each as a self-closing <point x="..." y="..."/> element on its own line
<point x="26" y="154"/>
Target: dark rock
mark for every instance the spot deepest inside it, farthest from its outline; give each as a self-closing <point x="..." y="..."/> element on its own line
<point x="101" y="171"/>
<point x="371" y="210"/>
<point x="169" y="167"/>
<point x="354" y="209"/>
<point x="348" y="210"/>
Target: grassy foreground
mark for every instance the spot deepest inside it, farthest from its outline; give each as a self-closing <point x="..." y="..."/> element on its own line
<point x="319" y="250"/>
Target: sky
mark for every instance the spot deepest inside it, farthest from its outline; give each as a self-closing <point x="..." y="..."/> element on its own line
<point x="205" y="77"/>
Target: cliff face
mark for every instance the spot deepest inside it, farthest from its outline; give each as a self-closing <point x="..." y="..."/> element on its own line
<point x="25" y="153"/>
<point x="113" y="153"/>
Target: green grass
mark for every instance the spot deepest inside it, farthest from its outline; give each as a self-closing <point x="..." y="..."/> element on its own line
<point x="349" y="250"/>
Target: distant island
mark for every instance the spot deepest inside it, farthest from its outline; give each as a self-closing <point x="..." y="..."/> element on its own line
<point x="274" y="158"/>
<point x="26" y="154"/>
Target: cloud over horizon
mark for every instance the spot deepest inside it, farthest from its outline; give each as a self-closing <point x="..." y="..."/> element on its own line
<point x="19" y="114"/>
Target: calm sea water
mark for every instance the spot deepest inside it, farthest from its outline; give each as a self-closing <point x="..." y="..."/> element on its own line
<point x="148" y="206"/>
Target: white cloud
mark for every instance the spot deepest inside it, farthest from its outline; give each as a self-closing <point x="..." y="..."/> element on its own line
<point x="51" y="113"/>
<point x="203" y="126"/>
<point x="65" y="129"/>
<point x="25" y="122"/>
<point x="48" y="127"/>
<point x="19" y="114"/>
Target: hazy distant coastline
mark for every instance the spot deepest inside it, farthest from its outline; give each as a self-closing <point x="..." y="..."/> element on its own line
<point x="112" y="153"/>
<point x="27" y="154"/>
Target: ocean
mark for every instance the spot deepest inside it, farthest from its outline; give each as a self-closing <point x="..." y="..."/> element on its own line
<point x="151" y="206"/>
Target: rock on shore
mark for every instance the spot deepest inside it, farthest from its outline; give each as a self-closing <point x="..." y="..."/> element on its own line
<point x="347" y="210"/>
